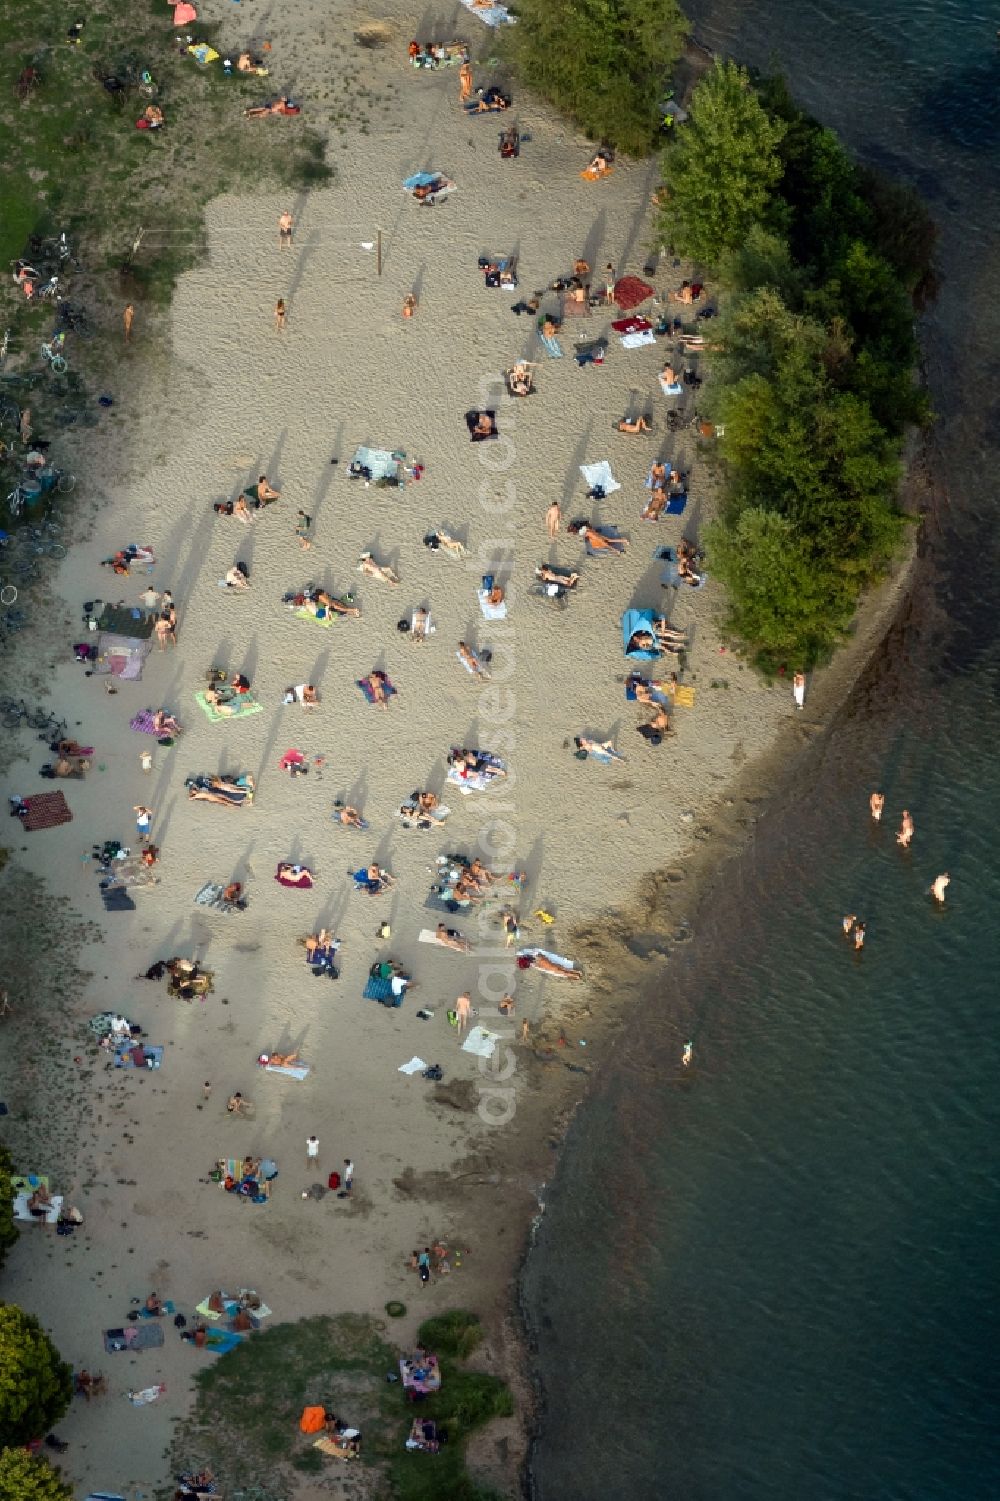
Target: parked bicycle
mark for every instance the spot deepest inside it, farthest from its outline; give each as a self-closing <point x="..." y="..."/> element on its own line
<point x="16" y="712"/>
<point x="8" y="594"/>
<point x="52" y="354"/>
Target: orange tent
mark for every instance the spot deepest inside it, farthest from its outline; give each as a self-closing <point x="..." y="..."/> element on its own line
<point x="313" y="1420"/>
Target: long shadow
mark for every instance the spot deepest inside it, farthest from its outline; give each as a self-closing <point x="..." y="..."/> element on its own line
<point x="573" y="476"/>
<point x="638" y="219"/>
<point x="273" y="467"/>
<point x="249" y="664"/>
<point x="595" y="238"/>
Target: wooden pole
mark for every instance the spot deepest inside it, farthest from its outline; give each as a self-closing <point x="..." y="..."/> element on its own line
<point x="378" y="251"/>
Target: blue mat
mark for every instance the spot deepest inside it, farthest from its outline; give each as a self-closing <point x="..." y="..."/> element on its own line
<point x="377" y="989"/>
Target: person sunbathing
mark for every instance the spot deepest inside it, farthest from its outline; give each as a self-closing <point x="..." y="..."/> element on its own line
<point x="484" y="426"/>
<point x="246" y="63"/>
<point x="426" y="802"/>
<point x="153" y="116"/>
<point x="595" y="540"/>
<point x="667" y="638"/>
<point x="304" y="694"/>
<point x="379" y="687"/>
<point x="425" y="191"/>
<point x="242" y="511"/>
<point x="218" y="791"/>
<point x="658" y="475"/>
<point x="442" y="542"/>
<point x="420" y="625"/>
<point x="315" y="941"/>
<point x="479" y="875"/>
<point x="566" y="578"/>
<point x="223" y="699"/>
<point x="549" y="967"/>
<point x="233" y="892"/>
<point x="509" y="144"/>
<point x="494" y="595"/>
<point x="265" y="492"/>
<point x="381" y="571"/>
<point x="656" y="728"/>
<point x="282" y="106"/>
<point x="600" y="750"/>
<point x="236" y="577"/>
<point x="669" y="384"/>
<point x="291" y="873"/>
<point x="348" y="816"/>
<point x="472" y="663"/>
<point x="653" y="509"/>
<point x="449" y="938"/>
<point x="640" y="424"/>
<point x="519" y="379"/>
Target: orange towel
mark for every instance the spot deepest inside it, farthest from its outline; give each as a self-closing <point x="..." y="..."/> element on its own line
<point x="313" y="1420"/>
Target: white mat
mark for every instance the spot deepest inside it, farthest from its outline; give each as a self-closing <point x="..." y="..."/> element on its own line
<point x="493" y="612"/>
<point x="492" y="15"/>
<point x="415" y="1066"/>
<point x="481" y="1042"/>
<point x="637" y="340"/>
<point x="600" y="474"/>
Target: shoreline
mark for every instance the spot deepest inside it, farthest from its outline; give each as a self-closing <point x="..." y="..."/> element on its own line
<point x="722" y="827"/>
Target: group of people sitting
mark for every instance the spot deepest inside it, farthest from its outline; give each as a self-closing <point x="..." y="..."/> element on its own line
<point x="225" y="694"/>
<point x="254" y="498"/>
<point x="230" y="791"/>
<point x="662" y="638"/>
<point x="373" y="879"/>
<point x="423" y="810"/>
<point x="461" y="882"/>
<point x="321" y="952"/>
<point x="437" y="54"/>
<point x="663" y="484"/>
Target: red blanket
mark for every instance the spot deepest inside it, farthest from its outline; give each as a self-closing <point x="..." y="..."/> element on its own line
<point x="630" y="291"/>
<point x="44" y="811"/>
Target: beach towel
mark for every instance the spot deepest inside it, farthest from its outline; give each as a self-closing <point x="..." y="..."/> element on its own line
<point x="127" y="621"/>
<point x="295" y="880"/>
<point x="380" y="462"/>
<point x="481" y="1043"/>
<point x="684" y="696"/>
<point x="589" y="175"/>
<point x="424" y="179"/>
<point x="327" y="618"/>
<point x="551" y="346"/>
<point x="491" y="612"/>
<point x="137" y="1336"/>
<point x="415" y="1066"/>
<point x="675" y="505"/>
<point x="611" y="535"/>
<point x="638" y="620"/>
<point x="244" y="705"/>
<point x="491" y="15"/>
<point x="147" y="1395"/>
<point x="633" y="325"/>
<point x="221" y="1341"/>
<point x="599" y="477"/>
<point x="142" y="722"/>
<point x="184" y="14"/>
<point x="53" y="1209"/>
<point x="671" y="388"/>
<point x="116" y="899"/>
<point x="637" y="340"/>
<point x="429" y="935"/>
<point x="380" y="989"/>
<point x="138" y="1055"/>
<point x="630" y="292"/>
<point x="366" y="688"/>
<point x="291" y="1070"/>
<point x="45" y="810"/>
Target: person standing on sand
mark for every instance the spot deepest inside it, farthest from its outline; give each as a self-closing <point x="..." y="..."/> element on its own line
<point x="876" y="803"/>
<point x="143" y="820"/>
<point x="799" y="690"/>
<point x="465" y="82"/>
<point x="553" y="516"/>
<point x="462" y="1008"/>
<point x="206" y="1089"/>
<point x="312" y="1151"/>
<point x="127" y="317"/>
<point x="286" y="226"/>
<point x="348" y="1175"/>
<point x="280" y="313"/>
<point x="940" y="885"/>
<point x="905" y="830"/>
<point x="302" y="529"/>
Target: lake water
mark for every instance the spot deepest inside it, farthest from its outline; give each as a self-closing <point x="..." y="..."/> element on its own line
<point x="771" y="1276"/>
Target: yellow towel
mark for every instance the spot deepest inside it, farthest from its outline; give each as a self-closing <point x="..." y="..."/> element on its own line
<point x="684" y="696"/>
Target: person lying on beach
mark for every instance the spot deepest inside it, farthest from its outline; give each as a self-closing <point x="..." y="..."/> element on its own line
<point x="291" y="873"/>
<point x="320" y="944"/>
<point x="472" y="663"/>
<point x="222" y="790"/>
<point x="237" y="577"/>
<point x="303" y="693"/>
<point x="520" y="381"/>
<point x="242" y="511"/>
<point x="657" y="727"/>
<point x="373" y="879"/>
<point x="278" y="1060"/>
<point x="377" y="684"/>
<point x="320" y="602"/>
<point x="595" y="540"/>
<point x="421" y="628"/>
<point x="344" y="814"/>
<point x="381" y="571"/>
<point x="669" y="384"/>
<point x="653" y="509"/>
<point x="71" y="748"/>
<point x="686" y="570"/>
<point x="548" y="966"/>
<point x="688" y="292"/>
<point x="487" y="100"/>
<point x="282" y="106"/>
<point x="565" y="578"/>
<point x="441" y="542"/>
<point x="640" y="424"/>
<point x="425" y="192"/>
<point x="450" y="938"/>
<point x="599" y="750"/>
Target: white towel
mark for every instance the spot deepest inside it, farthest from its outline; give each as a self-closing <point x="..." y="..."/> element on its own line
<point x="600" y="474"/>
<point x="494" y="612"/>
<point x="495" y="15"/>
<point x="637" y="340"/>
<point x="481" y="1042"/>
<point x="415" y="1066"/>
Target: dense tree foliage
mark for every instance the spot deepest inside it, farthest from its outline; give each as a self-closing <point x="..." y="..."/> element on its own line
<point x="607" y="63"/>
<point x="720" y="175"/>
<point x="23" y="1477"/>
<point x="36" y="1386"/>
<point x="814" y="356"/>
<point x="8" y="1225"/>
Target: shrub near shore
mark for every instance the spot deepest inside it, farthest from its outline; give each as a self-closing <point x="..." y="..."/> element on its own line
<point x="813" y="358"/>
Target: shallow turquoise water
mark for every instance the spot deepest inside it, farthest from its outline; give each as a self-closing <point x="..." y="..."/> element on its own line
<point x="772" y="1276"/>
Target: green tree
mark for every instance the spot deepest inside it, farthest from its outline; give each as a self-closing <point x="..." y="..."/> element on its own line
<point x="8" y="1225"/>
<point x="23" y="1477"/>
<point x="721" y="171"/>
<point x="763" y="260"/>
<point x="784" y="603"/>
<point x="606" y="63"/>
<point x="36" y="1386"/>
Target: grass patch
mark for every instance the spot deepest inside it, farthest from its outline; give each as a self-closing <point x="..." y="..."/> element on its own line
<point x="248" y="1404"/>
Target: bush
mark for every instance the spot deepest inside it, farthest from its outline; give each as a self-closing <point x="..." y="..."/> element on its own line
<point x="23" y="1477"/>
<point x="456" y="1333"/>
<point x="8" y="1225"/>
<point x="36" y="1386"/>
<point x="606" y="63"/>
<point x="720" y="173"/>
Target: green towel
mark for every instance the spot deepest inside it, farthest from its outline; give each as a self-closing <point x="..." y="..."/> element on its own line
<point x="247" y="705"/>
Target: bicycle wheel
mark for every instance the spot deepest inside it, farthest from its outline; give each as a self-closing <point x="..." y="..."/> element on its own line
<point x="66" y="482"/>
<point x="56" y="551"/>
<point x="58" y="365"/>
<point x="8" y="594"/>
<point x="39" y="719"/>
<point x="12" y="719"/>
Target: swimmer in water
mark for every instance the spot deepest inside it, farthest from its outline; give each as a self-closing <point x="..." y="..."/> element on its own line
<point x="876" y="803"/>
<point x="905" y="830"/>
<point x="847" y="923"/>
<point x="687" y="1054"/>
<point x="940" y="885"/>
<point x="859" y="936"/>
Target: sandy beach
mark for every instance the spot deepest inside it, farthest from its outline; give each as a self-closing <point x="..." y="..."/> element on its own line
<point x="205" y="403"/>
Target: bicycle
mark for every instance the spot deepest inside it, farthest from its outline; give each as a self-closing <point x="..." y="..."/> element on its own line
<point x="8" y="594"/>
<point x="4" y="345"/>
<point x="16" y="710"/>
